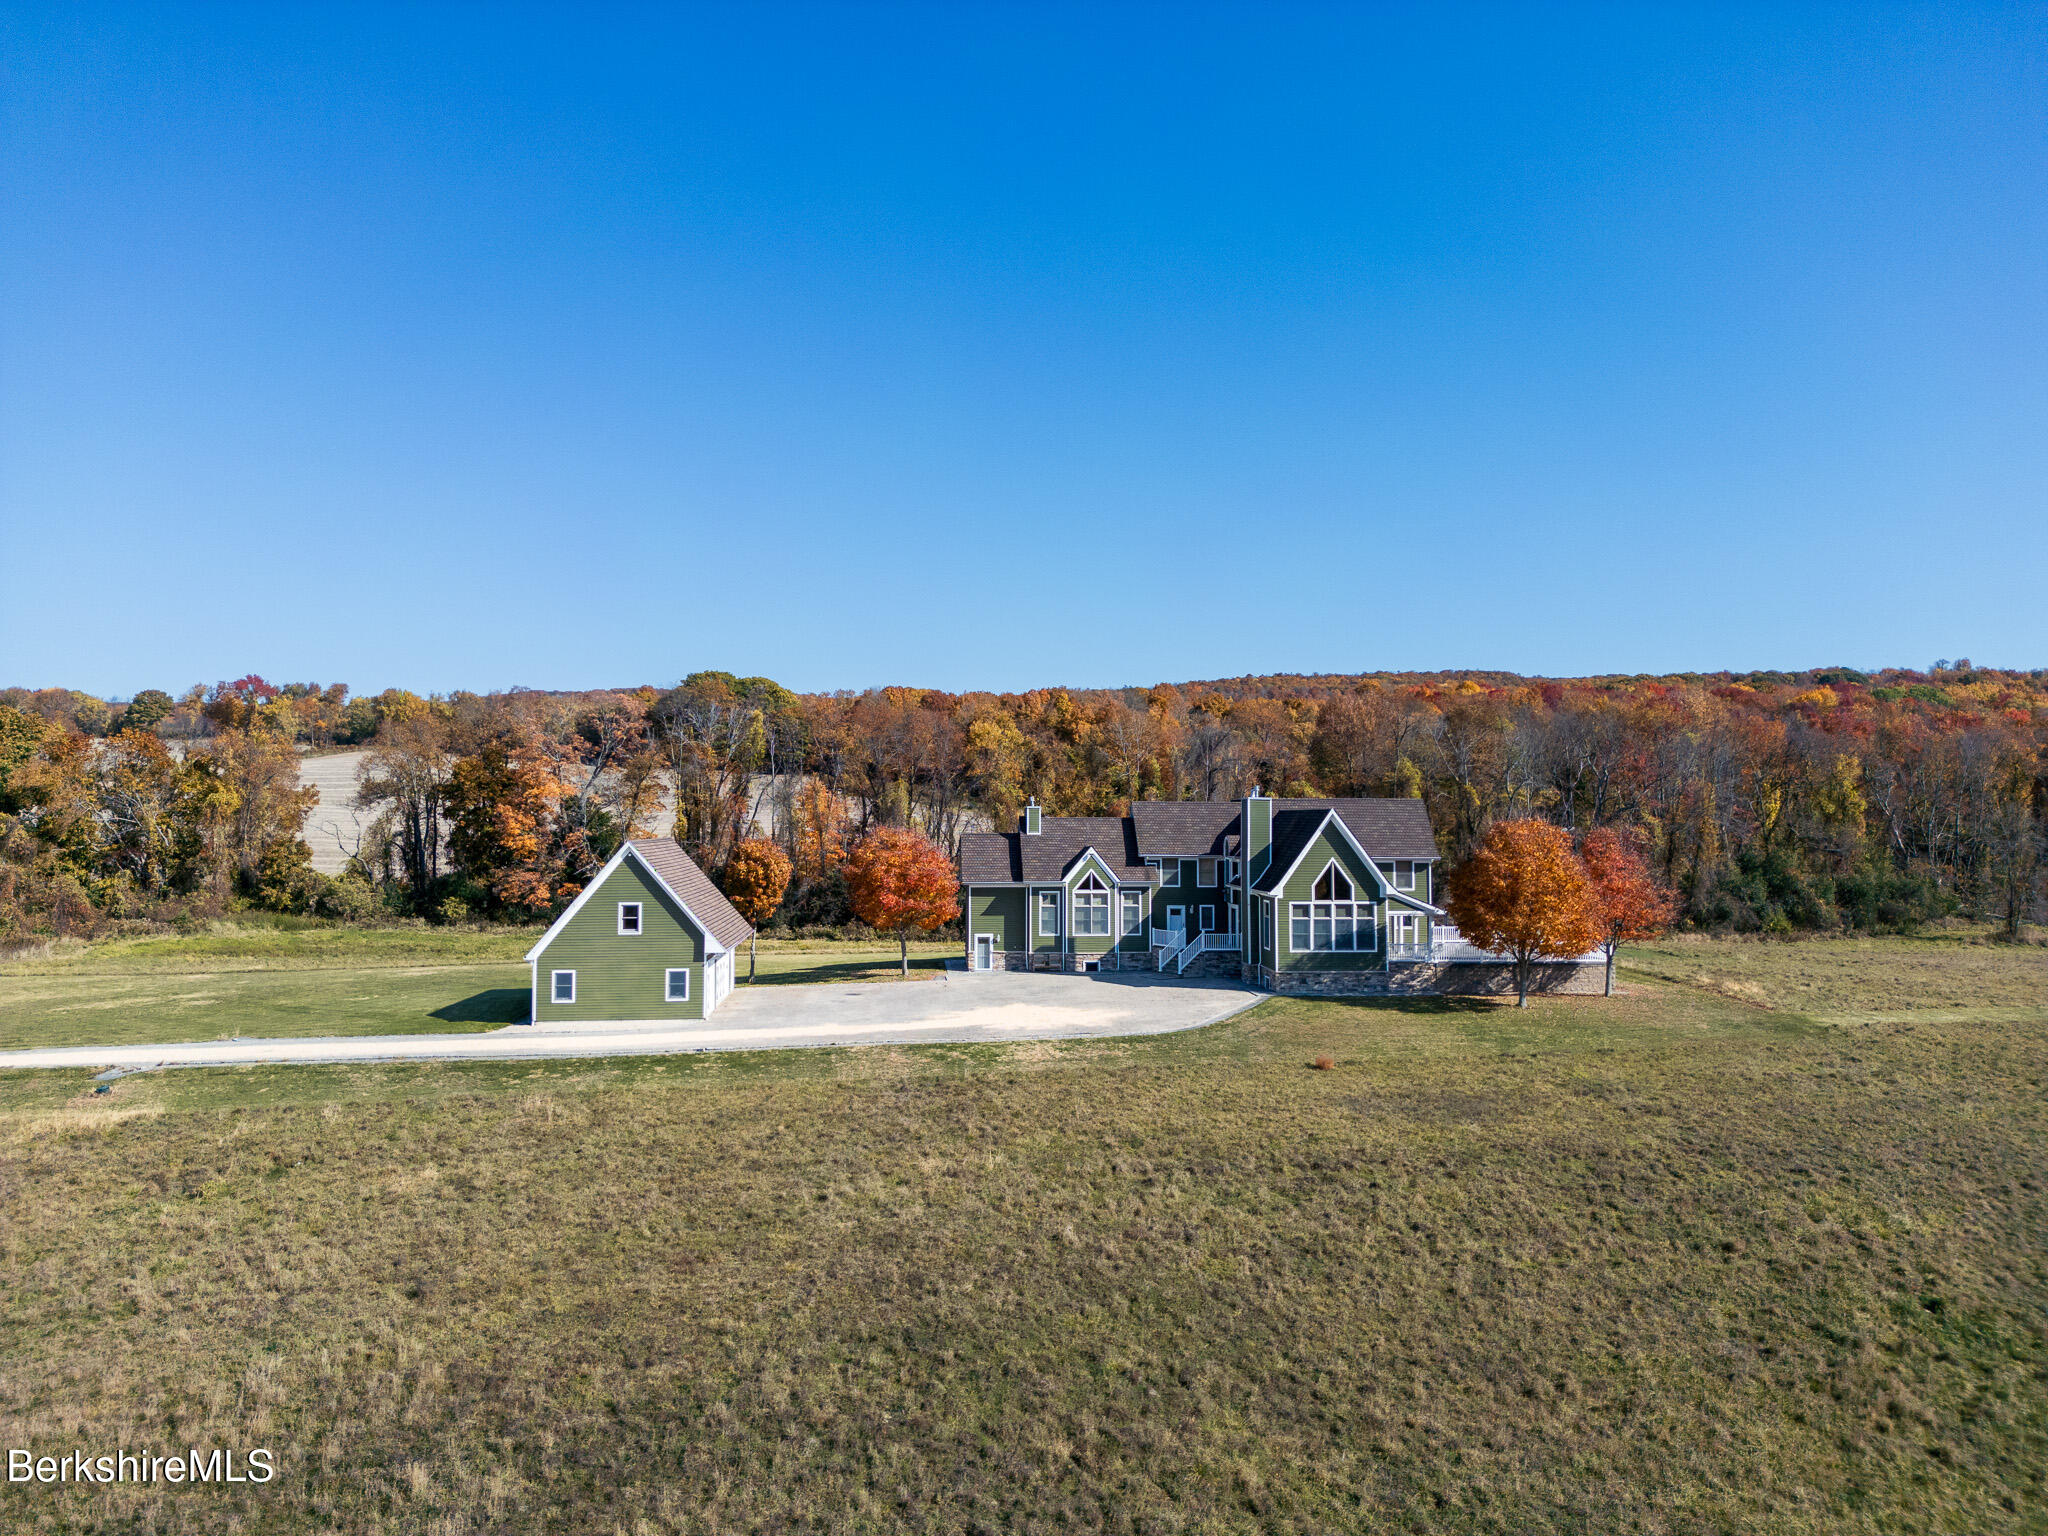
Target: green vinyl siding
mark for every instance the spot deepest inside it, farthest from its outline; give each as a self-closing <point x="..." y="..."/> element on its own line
<point x="621" y="976"/>
<point x="1046" y="943"/>
<point x="1193" y="895"/>
<point x="999" y="911"/>
<point x="1300" y="887"/>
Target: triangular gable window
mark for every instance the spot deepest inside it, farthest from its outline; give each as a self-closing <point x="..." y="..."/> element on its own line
<point x="1334" y="885"/>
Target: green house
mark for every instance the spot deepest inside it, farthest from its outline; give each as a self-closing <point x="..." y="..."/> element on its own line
<point x="1294" y="895"/>
<point x="650" y="940"/>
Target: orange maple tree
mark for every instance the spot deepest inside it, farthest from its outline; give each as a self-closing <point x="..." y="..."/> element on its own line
<point x="1525" y="894"/>
<point x="754" y="879"/>
<point x="900" y="880"/>
<point x="1628" y="903"/>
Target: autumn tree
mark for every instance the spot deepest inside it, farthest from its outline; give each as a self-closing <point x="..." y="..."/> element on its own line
<point x="1628" y="903"/>
<point x="754" y="879"/>
<point x="500" y="802"/>
<point x="900" y="880"/>
<point x="1524" y="894"/>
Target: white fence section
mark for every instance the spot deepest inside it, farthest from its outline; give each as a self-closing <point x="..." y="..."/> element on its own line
<point x="1447" y="946"/>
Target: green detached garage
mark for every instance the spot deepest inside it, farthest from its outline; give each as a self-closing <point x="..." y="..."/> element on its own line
<point x="650" y="941"/>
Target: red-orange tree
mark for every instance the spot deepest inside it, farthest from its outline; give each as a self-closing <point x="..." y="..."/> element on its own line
<point x="754" y="879"/>
<point x="1524" y="894"/>
<point x="900" y="880"/>
<point x="1628" y="903"/>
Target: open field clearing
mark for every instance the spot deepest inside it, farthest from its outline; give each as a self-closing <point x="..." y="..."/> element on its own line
<point x="1671" y="1262"/>
<point x="293" y="982"/>
<point x="1855" y="978"/>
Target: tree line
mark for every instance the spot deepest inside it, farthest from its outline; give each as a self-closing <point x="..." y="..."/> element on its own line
<point x="1766" y="802"/>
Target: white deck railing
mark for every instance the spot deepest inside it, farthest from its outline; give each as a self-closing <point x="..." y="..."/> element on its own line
<point x="1447" y="946"/>
<point x="1200" y="944"/>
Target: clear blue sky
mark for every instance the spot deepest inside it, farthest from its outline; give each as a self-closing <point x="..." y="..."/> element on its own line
<point x="994" y="347"/>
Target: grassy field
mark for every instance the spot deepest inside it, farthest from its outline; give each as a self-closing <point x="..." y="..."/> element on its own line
<point x="261" y="980"/>
<point x="1762" y="1247"/>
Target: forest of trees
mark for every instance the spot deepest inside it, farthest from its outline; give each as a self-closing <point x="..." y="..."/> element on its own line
<point x="1768" y="802"/>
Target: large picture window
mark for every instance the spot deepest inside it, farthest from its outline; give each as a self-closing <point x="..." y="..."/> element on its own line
<point x="1336" y="921"/>
<point x="1049" y="914"/>
<point x="1091" y="908"/>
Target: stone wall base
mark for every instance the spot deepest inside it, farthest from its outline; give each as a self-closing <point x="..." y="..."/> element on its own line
<point x="1031" y="960"/>
<point x="1422" y="978"/>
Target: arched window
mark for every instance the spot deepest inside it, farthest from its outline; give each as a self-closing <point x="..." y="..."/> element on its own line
<point x="1335" y="921"/>
<point x="1091" y="907"/>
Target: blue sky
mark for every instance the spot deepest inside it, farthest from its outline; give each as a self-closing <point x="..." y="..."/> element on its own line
<point x="998" y="347"/>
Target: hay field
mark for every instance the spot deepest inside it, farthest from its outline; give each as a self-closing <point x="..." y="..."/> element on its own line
<point x="1680" y="1261"/>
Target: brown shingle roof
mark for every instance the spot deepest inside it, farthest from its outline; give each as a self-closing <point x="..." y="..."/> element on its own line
<point x="1185" y="828"/>
<point x="706" y="901"/>
<point x="996" y="858"/>
<point x="1386" y="829"/>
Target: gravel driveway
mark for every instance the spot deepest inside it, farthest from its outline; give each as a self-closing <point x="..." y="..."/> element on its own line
<point x="960" y="1006"/>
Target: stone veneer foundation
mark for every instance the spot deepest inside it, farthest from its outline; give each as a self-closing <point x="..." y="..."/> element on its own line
<point x="1403" y="978"/>
<point x="1423" y="978"/>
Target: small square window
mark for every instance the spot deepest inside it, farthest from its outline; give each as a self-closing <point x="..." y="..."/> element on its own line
<point x="678" y="990"/>
<point x="629" y="917"/>
<point x="564" y="986"/>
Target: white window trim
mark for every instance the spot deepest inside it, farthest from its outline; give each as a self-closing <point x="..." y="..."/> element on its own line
<point x="555" y="988"/>
<point x="1206" y="917"/>
<point x="668" y="984"/>
<point x="1131" y="914"/>
<point x="1090" y="886"/>
<point x="1342" y="874"/>
<point x="1048" y="907"/>
<point x="1366" y="912"/>
<point x="1214" y="869"/>
<point x="639" y="919"/>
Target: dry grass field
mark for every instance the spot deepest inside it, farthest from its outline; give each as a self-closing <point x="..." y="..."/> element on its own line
<point x="1759" y="1252"/>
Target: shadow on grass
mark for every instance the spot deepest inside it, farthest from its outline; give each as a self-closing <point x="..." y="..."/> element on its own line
<point x="843" y="970"/>
<point x="500" y="1005"/>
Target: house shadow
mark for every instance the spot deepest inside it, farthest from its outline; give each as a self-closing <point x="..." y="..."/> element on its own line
<point x="500" y="1005"/>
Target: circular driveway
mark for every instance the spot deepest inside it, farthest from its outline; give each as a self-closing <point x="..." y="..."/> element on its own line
<point x="958" y="1006"/>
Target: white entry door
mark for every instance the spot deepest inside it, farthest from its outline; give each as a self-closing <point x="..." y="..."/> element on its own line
<point x="984" y="951"/>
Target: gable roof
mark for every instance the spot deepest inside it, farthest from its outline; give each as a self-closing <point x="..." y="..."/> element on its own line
<point x="1293" y="830"/>
<point x="678" y="875"/>
<point x="1008" y="858"/>
<point x="1187" y="828"/>
<point x="1383" y="829"/>
<point x="1386" y="829"/>
<point x="689" y="885"/>
<point x="1303" y="827"/>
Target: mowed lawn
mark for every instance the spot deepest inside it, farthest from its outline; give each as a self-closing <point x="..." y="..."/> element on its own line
<point x="1686" y="1260"/>
<point x="316" y="980"/>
